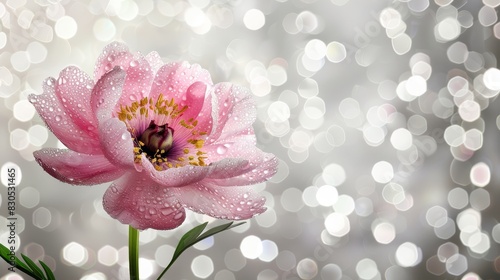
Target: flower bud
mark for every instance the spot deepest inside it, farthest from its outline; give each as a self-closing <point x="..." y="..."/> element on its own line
<point x="157" y="138"/>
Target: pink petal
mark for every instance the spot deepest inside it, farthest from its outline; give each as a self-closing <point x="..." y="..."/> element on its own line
<point x="74" y="89"/>
<point x="136" y="200"/>
<point x="76" y="168"/>
<point x="262" y="171"/>
<point x="155" y="61"/>
<point x="106" y="94"/>
<point x="227" y="168"/>
<point x="235" y="203"/>
<point x="137" y="83"/>
<point x="175" y="177"/>
<point x="114" y="54"/>
<point x="234" y="115"/>
<point x="62" y="123"/>
<point x="173" y="80"/>
<point x="261" y="166"/>
<point x="117" y="143"/>
<point x="195" y="97"/>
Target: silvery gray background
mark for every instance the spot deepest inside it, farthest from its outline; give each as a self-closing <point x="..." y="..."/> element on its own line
<point x="383" y="114"/>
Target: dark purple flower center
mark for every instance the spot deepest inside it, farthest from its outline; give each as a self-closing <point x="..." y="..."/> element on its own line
<point x="157" y="139"/>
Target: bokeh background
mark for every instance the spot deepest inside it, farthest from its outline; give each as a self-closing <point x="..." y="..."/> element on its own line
<point x="383" y="114"/>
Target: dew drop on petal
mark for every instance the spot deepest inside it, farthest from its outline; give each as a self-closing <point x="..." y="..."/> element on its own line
<point x="221" y="150"/>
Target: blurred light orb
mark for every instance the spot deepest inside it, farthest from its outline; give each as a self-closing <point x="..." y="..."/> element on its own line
<point x="480" y="174"/>
<point x="382" y="172"/>
<point x="447" y="30"/>
<point x="367" y="269"/>
<point x="401" y="139"/>
<point x="307" y="269"/>
<point x="75" y="254"/>
<point x="337" y="224"/>
<point x="336" y="52"/>
<point x="251" y="247"/>
<point x="408" y="254"/>
<point x="384" y="232"/>
<point x="327" y="195"/>
<point x="66" y="27"/>
<point x="390" y="18"/>
<point x="202" y="266"/>
<point x="254" y="19"/>
<point x="491" y="79"/>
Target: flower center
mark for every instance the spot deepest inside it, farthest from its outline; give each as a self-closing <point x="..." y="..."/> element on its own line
<point x="157" y="139"/>
<point x="152" y="123"/>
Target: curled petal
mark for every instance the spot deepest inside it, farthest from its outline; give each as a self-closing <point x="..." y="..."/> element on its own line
<point x="76" y="168"/>
<point x="227" y="168"/>
<point x="261" y="166"/>
<point x="138" y="201"/>
<point x="195" y="97"/>
<point x="114" y="54"/>
<point x="262" y="171"/>
<point x="173" y="80"/>
<point x="74" y="88"/>
<point x="234" y="113"/>
<point x="62" y="123"/>
<point x="106" y="94"/>
<point x="223" y="203"/>
<point x="116" y="142"/>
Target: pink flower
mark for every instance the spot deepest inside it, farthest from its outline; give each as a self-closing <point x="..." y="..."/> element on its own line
<point x="166" y="136"/>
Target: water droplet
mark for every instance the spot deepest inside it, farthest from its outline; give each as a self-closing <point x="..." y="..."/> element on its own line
<point x="125" y="136"/>
<point x="238" y="209"/>
<point x="58" y="118"/>
<point x="133" y="63"/>
<point x="152" y="211"/>
<point x="221" y="150"/>
<point x="178" y="215"/>
<point x="142" y="208"/>
<point x="51" y="109"/>
<point x="114" y="189"/>
<point x="49" y="82"/>
<point x="132" y="97"/>
<point x="166" y="211"/>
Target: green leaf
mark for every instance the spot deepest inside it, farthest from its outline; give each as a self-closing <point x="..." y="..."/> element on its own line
<point x="48" y="272"/>
<point x="194" y="236"/>
<point x="4" y="253"/>
<point x="34" y="268"/>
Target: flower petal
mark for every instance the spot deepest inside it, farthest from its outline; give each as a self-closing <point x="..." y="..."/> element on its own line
<point x="173" y="80"/>
<point x="235" y="203"/>
<point x="234" y="113"/>
<point x="155" y="61"/>
<point x="261" y="166"/>
<point x="76" y="168"/>
<point x="138" y="81"/>
<point x="114" y="54"/>
<point x="74" y="89"/>
<point x="262" y="171"/>
<point x="116" y="141"/>
<point x="106" y="94"/>
<point x="142" y="203"/>
<point x="195" y="97"/>
<point x="175" y="177"/>
<point x="61" y="123"/>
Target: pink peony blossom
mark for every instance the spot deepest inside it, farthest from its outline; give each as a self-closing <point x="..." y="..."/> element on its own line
<point x="166" y="136"/>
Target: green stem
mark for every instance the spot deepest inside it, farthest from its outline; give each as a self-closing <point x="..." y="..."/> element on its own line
<point x="133" y="253"/>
